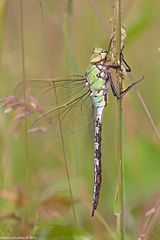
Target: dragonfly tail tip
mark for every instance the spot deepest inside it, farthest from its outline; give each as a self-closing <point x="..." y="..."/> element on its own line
<point x="93" y="211"/>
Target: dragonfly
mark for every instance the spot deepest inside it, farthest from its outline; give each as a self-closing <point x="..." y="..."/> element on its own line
<point x="75" y="101"/>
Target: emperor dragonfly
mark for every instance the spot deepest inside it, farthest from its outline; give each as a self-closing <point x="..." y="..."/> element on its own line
<point x="87" y="99"/>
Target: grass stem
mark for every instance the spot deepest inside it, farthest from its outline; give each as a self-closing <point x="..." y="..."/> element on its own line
<point x="55" y="92"/>
<point x="121" y="215"/>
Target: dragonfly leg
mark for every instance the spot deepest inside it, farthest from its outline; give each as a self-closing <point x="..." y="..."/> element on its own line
<point x="114" y="91"/>
<point x="128" y="69"/>
<point x="118" y="66"/>
<point x="114" y="66"/>
<point x="129" y="87"/>
<point x="110" y="44"/>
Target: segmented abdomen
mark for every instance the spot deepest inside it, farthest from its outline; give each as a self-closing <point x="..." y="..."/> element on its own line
<point x="97" y="159"/>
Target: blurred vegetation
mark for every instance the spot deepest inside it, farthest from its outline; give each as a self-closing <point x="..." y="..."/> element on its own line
<point x="34" y="191"/>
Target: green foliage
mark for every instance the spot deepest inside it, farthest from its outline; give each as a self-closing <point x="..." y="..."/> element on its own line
<point x="60" y="230"/>
<point x="49" y="6"/>
<point x="3" y="7"/>
<point x="144" y="19"/>
<point x="69" y="7"/>
<point x="4" y="230"/>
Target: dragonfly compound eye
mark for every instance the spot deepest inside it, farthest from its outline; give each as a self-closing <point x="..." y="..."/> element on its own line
<point x="95" y="58"/>
<point x="98" y="54"/>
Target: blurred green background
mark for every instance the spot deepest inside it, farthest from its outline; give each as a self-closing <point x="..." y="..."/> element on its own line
<point x="33" y="176"/>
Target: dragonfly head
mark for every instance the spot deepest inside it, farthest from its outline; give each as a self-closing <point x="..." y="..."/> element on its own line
<point x="98" y="54"/>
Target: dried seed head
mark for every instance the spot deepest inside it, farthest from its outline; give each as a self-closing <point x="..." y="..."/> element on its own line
<point x="37" y="129"/>
<point x="20" y="108"/>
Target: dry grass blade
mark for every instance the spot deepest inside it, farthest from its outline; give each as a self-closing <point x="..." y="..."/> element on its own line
<point x="86" y="199"/>
<point x="99" y="16"/>
<point x="152" y="220"/>
<point x="146" y="109"/>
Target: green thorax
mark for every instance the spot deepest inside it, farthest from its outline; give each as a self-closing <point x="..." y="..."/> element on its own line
<point x="95" y="82"/>
<point x="94" y="73"/>
<point x="96" y="85"/>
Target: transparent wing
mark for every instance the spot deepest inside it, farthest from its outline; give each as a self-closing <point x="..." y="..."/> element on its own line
<point x="65" y="119"/>
<point x="51" y="92"/>
<point x="64" y="104"/>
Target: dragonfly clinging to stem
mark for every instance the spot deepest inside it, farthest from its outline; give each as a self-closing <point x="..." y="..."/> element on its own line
<point x="87" y="98"/>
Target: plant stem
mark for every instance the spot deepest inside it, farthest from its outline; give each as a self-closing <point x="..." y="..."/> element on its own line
<point x="121" y="169"/>
<point x="120" y="127"/>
